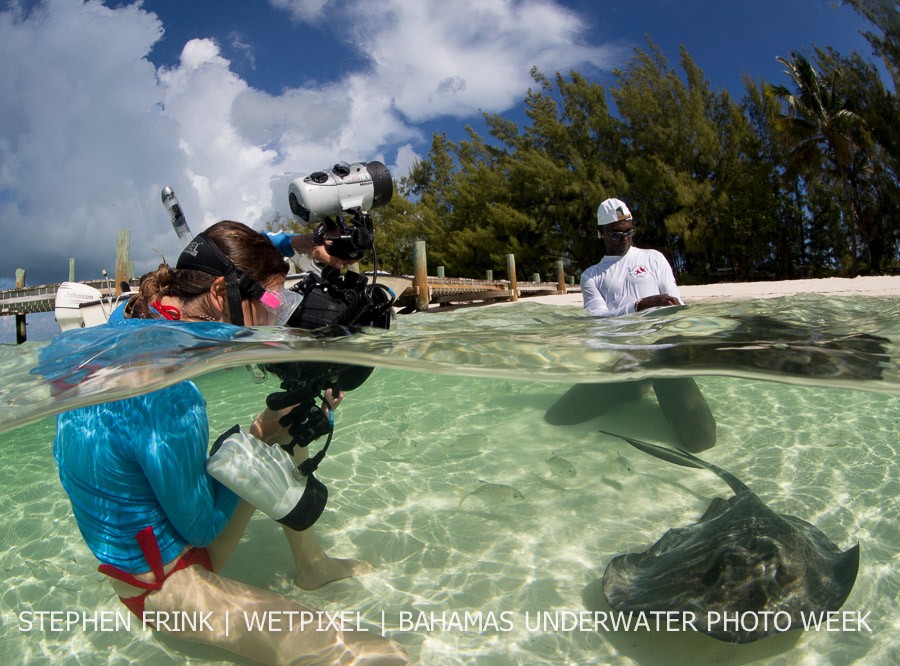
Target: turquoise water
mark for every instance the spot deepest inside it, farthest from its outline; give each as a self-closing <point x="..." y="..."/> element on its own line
<point x="806" y="394"/>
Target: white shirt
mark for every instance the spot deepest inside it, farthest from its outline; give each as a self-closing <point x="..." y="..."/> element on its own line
<point x="613" y="287"/>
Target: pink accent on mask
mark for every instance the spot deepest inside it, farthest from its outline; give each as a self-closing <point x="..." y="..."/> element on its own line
<point x="271" y="300"/>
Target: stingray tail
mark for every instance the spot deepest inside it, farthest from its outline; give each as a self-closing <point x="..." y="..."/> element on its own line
<point x="684" y="459"/>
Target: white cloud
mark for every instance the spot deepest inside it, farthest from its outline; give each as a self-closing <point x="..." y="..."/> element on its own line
<point x="228" y="172"/>
<point x="302" y="11"/>
<point x="81" y="139"/>
<point x="449" y="58"/>
<point x="90" y="131"/>
<point x="243" y="48"/>
<point x="406" y="159"/>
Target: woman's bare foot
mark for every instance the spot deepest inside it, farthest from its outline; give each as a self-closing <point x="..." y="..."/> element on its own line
<point x="327" y="569"/>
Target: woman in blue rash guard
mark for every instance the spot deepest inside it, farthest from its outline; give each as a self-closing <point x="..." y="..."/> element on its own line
<point x="135" y="472"/>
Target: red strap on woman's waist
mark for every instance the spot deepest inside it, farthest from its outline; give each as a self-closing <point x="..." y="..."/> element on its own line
<point x="150" y="548"/>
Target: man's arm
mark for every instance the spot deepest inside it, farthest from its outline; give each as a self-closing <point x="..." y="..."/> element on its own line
<point x="595" y="303"/>
<point x="667" y="283"/>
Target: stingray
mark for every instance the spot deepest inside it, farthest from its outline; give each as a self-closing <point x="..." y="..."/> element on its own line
<point x="741" y="573"/>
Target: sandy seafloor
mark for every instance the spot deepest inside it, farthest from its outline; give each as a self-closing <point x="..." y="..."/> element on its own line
<point x="410" y="446"/>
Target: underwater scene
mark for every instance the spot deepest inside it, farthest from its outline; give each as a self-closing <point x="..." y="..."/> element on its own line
<point x="497" y="530"/>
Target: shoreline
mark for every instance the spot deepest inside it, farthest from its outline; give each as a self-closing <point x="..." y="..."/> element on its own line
<point x="876" y="285"/>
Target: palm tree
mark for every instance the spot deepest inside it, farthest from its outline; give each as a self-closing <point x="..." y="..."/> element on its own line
<point x="824" y="136"/>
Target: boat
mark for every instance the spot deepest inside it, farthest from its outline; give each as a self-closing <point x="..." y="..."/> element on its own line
<point x="80" y="305"/>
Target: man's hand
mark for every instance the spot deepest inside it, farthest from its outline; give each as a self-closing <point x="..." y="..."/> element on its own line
<point x="658" y="301"/>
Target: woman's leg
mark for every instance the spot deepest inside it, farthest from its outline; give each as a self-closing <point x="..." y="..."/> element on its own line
<point x="262" y="625"/>
<point x="221" y="548"/>
<point x="314" y="567"/>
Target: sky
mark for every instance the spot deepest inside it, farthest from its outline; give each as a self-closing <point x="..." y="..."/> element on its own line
<point x="102" y="104"/>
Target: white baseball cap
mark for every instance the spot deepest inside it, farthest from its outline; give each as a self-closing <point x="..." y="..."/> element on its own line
<point x="612" y="210"/>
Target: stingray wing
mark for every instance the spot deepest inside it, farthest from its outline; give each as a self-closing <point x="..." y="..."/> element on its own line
<point x="741" y="557"/>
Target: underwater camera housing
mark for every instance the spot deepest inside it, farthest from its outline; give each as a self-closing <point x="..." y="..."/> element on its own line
<point x="326" y="196"/>
<point x="332" y="304"/>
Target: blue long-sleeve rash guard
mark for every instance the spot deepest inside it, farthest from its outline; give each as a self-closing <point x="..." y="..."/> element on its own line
<point x="282" y="242"/>
<point x="141" y="462"/>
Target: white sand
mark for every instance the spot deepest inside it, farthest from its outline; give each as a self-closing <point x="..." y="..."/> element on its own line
<point x="888" y="286"/>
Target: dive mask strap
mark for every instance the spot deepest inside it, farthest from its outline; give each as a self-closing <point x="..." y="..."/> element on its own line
<point x="233" y="290"/>
<point x="202" y="254"/>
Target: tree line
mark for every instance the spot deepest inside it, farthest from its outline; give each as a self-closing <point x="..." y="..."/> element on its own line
<point x="796" y="179"/>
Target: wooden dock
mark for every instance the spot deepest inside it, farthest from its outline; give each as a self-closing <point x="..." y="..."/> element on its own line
<point x="442" y="291"/>
<point x="463" y="291"/>
<point x="412" y="293"/>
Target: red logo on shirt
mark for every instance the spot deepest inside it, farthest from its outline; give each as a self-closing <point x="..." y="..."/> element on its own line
<point x="639" y="271"/>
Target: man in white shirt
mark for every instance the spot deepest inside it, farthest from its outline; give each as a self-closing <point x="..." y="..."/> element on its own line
<point x="629" y="279"/>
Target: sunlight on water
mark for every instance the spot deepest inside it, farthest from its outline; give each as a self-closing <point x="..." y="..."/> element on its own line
<point x="428" y="452"/>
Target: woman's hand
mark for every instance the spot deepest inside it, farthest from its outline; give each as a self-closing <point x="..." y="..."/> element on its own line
<point x="331" y="402"/>
<point x="305" y="244"/>
<point x="266" y="426"/>
<point x="320" y="253"/>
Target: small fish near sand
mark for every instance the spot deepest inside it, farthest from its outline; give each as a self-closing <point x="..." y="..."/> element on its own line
<point x="619" y="464"/>
<point x="494" y="494"/>
<point x="740" y="557"/>
<point x="561" y="467"/>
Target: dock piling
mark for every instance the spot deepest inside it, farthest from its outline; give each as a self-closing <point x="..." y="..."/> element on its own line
<point x="511" y="274"/>
<point x="21" y="336"/>
<point x="561" y="276"/>
<point x="420" y="264"/>
<point x="123" y="241"/>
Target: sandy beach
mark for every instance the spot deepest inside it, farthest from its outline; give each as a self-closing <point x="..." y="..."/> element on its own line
<point x="886" y="286"/>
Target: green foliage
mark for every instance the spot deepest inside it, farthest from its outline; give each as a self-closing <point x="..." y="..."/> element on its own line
<point x="798" y="179"/>
<point x="884" y="16"/>
<point x="397" y="227"/>
<point x="687" y="159"/>
<point x="840" y="127"/>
